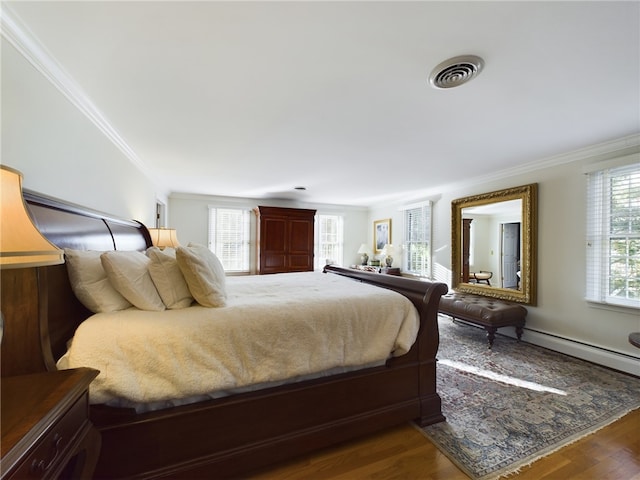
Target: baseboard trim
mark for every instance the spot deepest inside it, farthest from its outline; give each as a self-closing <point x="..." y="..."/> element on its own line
<point x="617" y="361"/>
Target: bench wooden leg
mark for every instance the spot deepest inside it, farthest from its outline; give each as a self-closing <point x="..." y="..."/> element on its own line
<point x="491" y="335"/>
<point x="519" y="331"/>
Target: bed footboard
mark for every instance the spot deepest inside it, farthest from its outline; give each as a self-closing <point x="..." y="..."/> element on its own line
<point x="231" y="436"/>
<point x="425" y="296"/>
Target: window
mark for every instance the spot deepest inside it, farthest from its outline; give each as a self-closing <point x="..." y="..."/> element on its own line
<point x="613" y="236"/>
<point x="229" y="234"/>
<point x="330" y="240"/>
<point x="417" y="234"/>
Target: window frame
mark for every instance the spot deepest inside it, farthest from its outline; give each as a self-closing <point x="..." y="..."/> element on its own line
<point x="245" y="238"/>
<point x="425" y="211"/>
<point x="601" y="234"/>
<point x="319" y="258"/>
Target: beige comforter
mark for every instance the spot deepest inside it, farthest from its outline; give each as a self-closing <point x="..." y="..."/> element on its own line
<point x="275" y="328"/>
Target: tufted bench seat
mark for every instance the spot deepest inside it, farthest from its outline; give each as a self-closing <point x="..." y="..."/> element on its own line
<point x="487" y="312"/>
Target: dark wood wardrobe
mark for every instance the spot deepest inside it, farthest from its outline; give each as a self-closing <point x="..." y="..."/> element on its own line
<point x="285" y="239"/>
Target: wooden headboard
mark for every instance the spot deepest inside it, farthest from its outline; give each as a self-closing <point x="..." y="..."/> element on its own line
<point x="70" y="226"/>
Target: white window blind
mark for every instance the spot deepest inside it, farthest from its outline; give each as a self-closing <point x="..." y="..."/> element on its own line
<point x="330" y="240"/>
<point x="417" y="235"/>
<point x="229" y="237"/>
<point x="613" y="236"/>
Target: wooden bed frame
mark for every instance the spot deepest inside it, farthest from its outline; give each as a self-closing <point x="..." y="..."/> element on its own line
<point x="231" y="436"/>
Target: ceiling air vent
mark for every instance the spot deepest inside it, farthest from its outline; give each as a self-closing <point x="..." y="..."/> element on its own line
<point x="456" y="71"/>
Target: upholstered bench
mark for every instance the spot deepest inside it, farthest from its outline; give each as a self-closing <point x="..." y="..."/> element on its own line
<point x="487" y="312"/>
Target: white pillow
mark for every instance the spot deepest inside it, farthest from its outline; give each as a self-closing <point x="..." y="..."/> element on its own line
<point x="90" y="284"/>
<point x="204" y="274"/>
<point x="128" y="272"/>
<point x="168" y="279"/>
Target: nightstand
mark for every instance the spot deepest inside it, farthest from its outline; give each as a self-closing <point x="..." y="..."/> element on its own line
<point x="46" y="432"/>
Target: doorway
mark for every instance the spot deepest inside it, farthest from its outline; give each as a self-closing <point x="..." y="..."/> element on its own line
<point x="510" y="254"/>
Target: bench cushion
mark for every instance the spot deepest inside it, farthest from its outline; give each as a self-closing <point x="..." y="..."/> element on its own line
<point x="485" y="311"/>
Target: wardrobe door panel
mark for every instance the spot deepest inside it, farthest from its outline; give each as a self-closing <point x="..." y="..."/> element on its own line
<point x="275" y="234"/>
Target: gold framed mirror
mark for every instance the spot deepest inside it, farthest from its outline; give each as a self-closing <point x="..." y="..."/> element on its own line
<point x="494" y="244"/>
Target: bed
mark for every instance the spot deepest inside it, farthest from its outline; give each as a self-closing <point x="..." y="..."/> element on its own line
<point x="234" y="434"/>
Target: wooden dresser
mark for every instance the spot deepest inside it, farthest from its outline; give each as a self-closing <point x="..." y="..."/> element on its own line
<point x="46" y="432"/>
<point x="285" y="239"/>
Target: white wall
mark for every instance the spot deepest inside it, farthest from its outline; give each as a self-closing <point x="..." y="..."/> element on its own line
<point x="562" y="319"/>
<point x="60" y="152"/>
<point x="188" y="214"/>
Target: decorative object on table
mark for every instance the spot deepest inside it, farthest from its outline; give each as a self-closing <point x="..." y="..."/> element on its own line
<point x="391" y="271"/>
<point x="164" y="237"/>
<point x="375" y="263"/>
<point x="21" y="243"/>
<point x="388" y="252"/>
<point x="381" y="234"/>
<point x="505" y="410"/>
<point x="368" y="268"/>
<point x="364" y="254"/>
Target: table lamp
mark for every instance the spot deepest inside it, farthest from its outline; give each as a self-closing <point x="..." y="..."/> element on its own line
<point x="364" y="253"/>
<point x="388" y="251"/>
<point x="21" y="243"/>
<point x="164" y="237"/>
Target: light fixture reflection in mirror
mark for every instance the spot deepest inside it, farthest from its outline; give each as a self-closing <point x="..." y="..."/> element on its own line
<point x="493" y="243"/>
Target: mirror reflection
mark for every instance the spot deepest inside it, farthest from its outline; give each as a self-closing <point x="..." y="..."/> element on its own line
<point x="491" y="244"/>
<point x="493" y="241"/>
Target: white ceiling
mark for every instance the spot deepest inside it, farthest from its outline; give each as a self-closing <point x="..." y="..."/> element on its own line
<point x="252" y="99"/>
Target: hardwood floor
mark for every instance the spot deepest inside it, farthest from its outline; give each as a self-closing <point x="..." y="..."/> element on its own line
<point x="403" y="453"/>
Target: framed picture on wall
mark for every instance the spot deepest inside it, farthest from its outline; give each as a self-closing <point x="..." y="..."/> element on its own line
<point x="381" y="234"/>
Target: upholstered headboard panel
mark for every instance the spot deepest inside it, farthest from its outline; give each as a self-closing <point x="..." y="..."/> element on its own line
<point x="71" y="226"/>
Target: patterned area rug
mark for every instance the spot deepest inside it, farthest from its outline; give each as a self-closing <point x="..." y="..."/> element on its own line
<point x="512" y="405"/>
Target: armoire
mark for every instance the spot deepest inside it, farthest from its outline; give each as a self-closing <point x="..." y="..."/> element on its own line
<point x="285" y="239"/>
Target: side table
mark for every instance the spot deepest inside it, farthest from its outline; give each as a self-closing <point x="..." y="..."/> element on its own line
<point x="46" y="432"/>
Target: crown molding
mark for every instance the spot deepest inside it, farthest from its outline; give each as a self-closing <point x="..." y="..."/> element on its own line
<point x="601" y="151"/>
<point x="593" y="152"/>
<point x="26" y="43"/>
